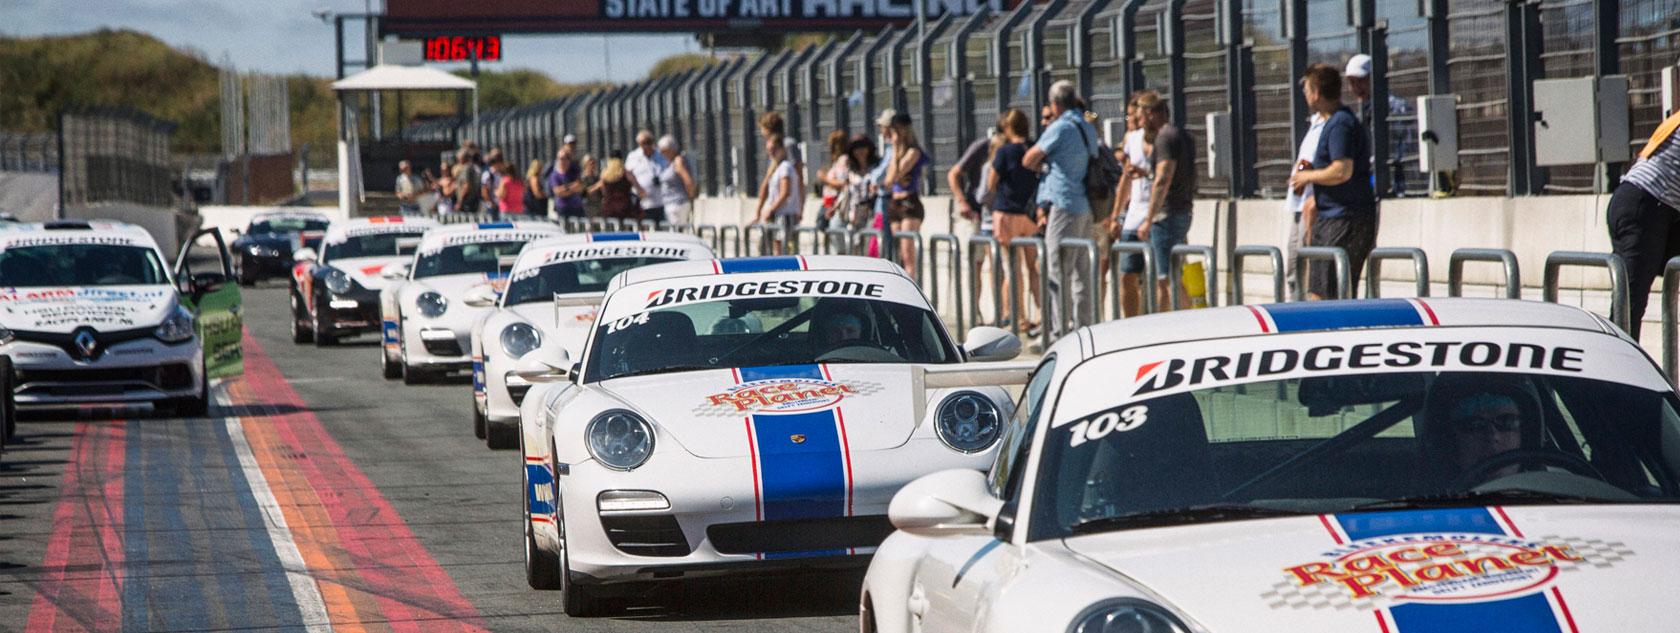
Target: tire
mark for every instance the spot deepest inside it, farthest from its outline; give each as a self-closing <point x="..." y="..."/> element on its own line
<point x="8" y="403"/>
<point x="388" y="369"/>
<point x="323" y="330"/>
<point x="300" y="335"/>
<point x="413" y="375"/>
<point x="478" y="421"/>
<point x="191" y="406"/>
<point x="542" y="567"/>
<point x="549" y="571"/>
<point x="501" y="436"/>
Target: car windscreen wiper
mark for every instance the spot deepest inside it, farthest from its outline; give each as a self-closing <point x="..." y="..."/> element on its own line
<point x="1180" y="516"/>
<point x="1515" y="496"/>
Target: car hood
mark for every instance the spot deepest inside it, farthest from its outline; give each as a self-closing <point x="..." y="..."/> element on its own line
<point x="570" y="325"/>
<point x="1606" y="567"/>
<point x="63" y="309"/>
<point x="705" y="411"/>
<point x="455" y="287"/>
<point x="366" y="270"/>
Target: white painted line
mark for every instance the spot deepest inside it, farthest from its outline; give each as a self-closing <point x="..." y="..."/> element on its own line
<point x="311" y="608"/>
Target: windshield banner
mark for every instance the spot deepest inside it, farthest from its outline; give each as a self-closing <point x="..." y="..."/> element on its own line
<point x="434" y="244"/>
<point x="530" y="263"/>
<point x="1160" y="371"/>
<point x="383" y="228"/>
<point x="848" y="284"/>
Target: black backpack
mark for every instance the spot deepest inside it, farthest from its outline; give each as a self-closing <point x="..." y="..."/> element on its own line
<point x="1102" y="172"/>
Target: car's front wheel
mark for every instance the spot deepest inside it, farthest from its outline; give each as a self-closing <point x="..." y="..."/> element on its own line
<point x="389" y="369"/>
<point x="323" y="327"/>
<point x="551" y="570"/>
<point x="478" y="420"/>
<point x="300" y="315"/>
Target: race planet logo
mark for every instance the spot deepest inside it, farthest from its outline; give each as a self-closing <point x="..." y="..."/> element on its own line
<point x="1169" y="374"/>
<point x="781" y="395"/>
<point x="1435" y="568"/>
<point x="771" y="288"/>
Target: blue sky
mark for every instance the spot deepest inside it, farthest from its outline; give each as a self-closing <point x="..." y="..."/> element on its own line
<point x="282" y="35"/>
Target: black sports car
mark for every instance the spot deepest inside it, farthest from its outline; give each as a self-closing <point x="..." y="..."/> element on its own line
<point x="265" y="248"/>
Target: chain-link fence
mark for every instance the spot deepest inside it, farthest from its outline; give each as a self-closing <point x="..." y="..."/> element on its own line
<point x="114" y="155"/>
<point x="1202" y="56"/>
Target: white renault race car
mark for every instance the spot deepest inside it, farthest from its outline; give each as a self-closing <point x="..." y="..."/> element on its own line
<point x="1390" y="465"/>
<point x="90" y="314"/>
<point x="740" y="414"/>
<point x="335" y="292"/>
<point x="553" y="291"/>
<point x="427" y="314"/>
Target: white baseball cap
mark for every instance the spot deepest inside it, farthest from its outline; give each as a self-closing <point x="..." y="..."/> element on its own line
<point x="568" y="139"/>
<point x="1358" y="66"/>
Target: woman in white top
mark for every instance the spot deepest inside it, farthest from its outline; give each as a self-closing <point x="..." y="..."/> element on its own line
<point x="676" y="184"/>
<point x="1131" y="204"/>
<point x="781" y="203"/>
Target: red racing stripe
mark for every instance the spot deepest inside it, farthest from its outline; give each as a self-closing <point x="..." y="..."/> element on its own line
<point x="86" y="536"/>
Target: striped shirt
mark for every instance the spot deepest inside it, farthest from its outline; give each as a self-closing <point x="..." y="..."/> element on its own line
<point x="1659" y="174"/>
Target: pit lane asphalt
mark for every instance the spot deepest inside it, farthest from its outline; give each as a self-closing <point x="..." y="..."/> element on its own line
<point x="191" y="551"/>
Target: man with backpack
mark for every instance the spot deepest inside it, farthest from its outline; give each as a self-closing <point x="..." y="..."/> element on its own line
<point x="1066" y="153"/>
<point x="1172" y="199"/>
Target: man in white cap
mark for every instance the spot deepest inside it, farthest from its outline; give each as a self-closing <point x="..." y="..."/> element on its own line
<point x="570" y="140"/>
<point x="1358" y="79"/>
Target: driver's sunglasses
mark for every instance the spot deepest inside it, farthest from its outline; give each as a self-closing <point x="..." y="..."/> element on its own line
<point x="1504" y="423"/>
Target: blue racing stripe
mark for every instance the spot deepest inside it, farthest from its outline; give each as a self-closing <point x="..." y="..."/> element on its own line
<point x="539" y="479"/>
<point x="391" y="332"/>
<point x="478" y="375"/>
<point x="1531" y="613"/>
<point x="495" y="225"/>
<point x="1342" y="315"/>
<point x="758" y="265"/>
<point x="615" y="237"/>
<point x="801" y="464"/>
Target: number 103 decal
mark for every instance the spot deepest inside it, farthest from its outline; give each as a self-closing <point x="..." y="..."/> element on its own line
<point x="1098" y="427"/>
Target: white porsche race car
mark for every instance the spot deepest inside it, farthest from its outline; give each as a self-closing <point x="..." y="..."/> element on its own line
<point x="428" y="315"/>
<point x="553" y="291"/>
<point x="734" y="415"/>
<point x="1387" y="465"/>
<point x="90" y="314"/>
<point x="335" y="292"/>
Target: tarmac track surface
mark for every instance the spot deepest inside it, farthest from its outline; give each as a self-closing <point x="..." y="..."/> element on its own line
<point x="318" y="497"/>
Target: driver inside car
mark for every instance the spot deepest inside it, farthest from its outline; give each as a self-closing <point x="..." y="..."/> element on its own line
<point x="837" y="328"/>
<point x="1475" y="421"/>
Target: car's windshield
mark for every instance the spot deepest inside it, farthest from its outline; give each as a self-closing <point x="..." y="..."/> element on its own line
<point x="1349" y="442"/>
<point x="373" y="245"/>
<point x="571" y="277"/>
<point x="767" y="331"/>
<point x="286" y="225"/>
<point x="461" y="259"/>
<point x="80" y="265"/>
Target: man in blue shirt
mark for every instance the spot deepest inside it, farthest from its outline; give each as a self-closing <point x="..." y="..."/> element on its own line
<point x="1340" y="174"/>
<point x="1062" y="153"/>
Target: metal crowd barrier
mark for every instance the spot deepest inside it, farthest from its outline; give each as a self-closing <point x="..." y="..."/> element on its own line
<point x="1507" y="259"/>
<point x="954" y="247"/>
<point x="860" y="242"/>
<point x="1373" y="269"/>
<point x="729" y="234"/>
<point x="837" y="240"/>
<point x="987" y="246"/>
<point x="708" y="233"/>
<point x="1013" y="254"/>
<point x="1670" y="316"/>
<point x="1146" y="283"/>
<point x="1244" y="252"/>
<point x="1065" y="316"/>
<point x="1333" y="254"/>
<point x="799" y="240"/>
<point x="1608" y="261"/>
<point x="1210" y="273"/>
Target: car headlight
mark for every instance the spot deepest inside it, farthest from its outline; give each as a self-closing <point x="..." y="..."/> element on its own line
<point x="431" y="304"/>
<point x="968" y="422"/>
<point x="519" y="339"/>
<point x="258" y="250"/>
<point x="1125" y="615"/>
<point x="177" y="328"/>
<point x="6" y="335"/>
<point x="619" y="439"/>
<point x="337" y="281"/>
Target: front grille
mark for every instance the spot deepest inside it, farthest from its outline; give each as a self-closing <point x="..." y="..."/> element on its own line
<point x="802" y="535"/>
<point x="657" y="535"/>
<point x="104" y="380"/>
<point x="517" y="392"/>
<point x="442" y="347"/>
<point x="67" y="341"/>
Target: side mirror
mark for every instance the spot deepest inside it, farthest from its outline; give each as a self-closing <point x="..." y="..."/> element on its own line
<point x="304" y="254"/>
<point x="396" y="270"/>
<point x="544" y="366"/>
<point x="480" y="297"/>
<point x="989" y="344"/>
<point x="205" y="283"/>
<point x="945" y="502"/>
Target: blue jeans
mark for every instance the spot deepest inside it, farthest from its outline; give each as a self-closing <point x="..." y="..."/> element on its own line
<point x="1164" y="234"/>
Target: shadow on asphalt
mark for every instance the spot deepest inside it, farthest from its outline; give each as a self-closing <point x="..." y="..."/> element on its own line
<point x="812" y="594"/>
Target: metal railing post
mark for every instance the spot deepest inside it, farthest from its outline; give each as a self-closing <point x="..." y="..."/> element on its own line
<point x="955" y="262"/>
<point x="1146" y="285"/>
<point x="1670" y="306"/>
<point x="1337" y="257"/>
<point x="860" y="243"/>
<point x="709" y="234"/>
<point x="753" y="235"/>
<point x="1373" y="269"/>
<point x="729" y="234"/>
<point x="1455" y="269"/>
<point x="1017" y="281"/>
<point x="1608" y="261"/>
<point x="837" y="240"/>
<point x="799" y="240"/>
<point x="1175" y="273"/>
<point x="989" y="247"/>
<point x="1244" y="252"/>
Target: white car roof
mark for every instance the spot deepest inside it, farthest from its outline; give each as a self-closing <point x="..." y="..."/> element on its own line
<point x="74" y="231"/>
<point x="788" y="263"/>
<point x="344" y="229"/>
<point x="450" y="234"/>
<point x="597" y="245"/>
<point x="298" y="213"/>
<point x="1326" y="316"/>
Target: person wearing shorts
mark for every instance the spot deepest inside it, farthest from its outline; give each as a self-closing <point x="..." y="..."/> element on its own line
<point x="1173" y="167"/>
<point x="1014" y="190"/>
<point x="1132" y="205"/>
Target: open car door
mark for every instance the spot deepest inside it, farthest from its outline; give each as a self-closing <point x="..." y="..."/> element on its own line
<point x="204" y="275"/>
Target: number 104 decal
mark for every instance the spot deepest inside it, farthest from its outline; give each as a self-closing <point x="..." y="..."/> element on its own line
<point x="1099" y="426"/>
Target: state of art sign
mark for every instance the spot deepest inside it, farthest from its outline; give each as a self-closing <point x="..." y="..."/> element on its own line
<point x="416" y="18"/>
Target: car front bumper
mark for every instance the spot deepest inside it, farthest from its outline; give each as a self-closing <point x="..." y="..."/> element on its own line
<point x="143" y="370"/>
<point x="355" y="312"/>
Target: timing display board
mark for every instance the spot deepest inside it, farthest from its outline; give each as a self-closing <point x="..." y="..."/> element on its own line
<point x="420" y="18"/>
<point x="458" y="48"/>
